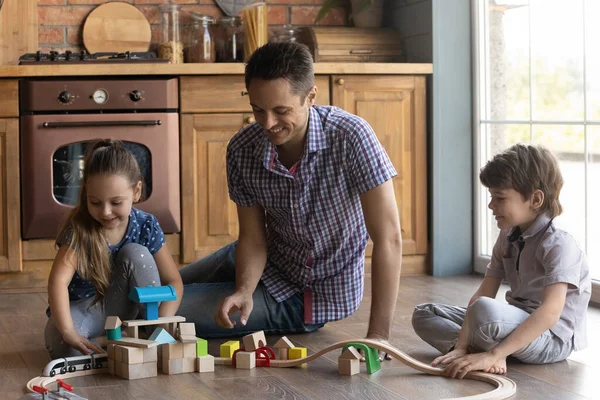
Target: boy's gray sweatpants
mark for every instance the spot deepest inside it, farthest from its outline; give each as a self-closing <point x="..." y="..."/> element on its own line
<point x="133" y="266"/>
<point x="490" y="321"/>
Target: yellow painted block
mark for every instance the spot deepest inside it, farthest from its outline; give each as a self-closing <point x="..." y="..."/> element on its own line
<point x="296" y="352"/>
<point x="228" y="348"/>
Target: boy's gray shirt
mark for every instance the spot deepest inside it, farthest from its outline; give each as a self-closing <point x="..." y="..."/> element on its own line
<point x="549" y="255"/>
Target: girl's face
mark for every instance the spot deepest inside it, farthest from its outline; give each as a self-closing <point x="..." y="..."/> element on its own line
<point x="110" y="198"/>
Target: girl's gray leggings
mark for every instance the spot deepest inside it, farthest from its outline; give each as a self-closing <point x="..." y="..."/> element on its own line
<point x="490" y="321"/>
<point x="133" y="266"/>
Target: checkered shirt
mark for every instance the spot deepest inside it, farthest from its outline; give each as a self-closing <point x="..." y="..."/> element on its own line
<point x="315" y="228"/>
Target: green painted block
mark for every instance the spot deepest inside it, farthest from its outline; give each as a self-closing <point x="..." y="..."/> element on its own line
<point x="371" y="356"/>
<point x="113" y="334"/>
<point x="201" y="347"/>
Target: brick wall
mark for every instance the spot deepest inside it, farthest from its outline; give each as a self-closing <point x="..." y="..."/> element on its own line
<point x="61" y="21"/>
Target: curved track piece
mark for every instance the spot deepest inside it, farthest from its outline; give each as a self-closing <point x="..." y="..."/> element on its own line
<point x="504" y="386"/>
<point x="43" y="381"/>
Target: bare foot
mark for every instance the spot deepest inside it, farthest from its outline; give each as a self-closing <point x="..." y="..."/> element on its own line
<point x="498" y="368"/>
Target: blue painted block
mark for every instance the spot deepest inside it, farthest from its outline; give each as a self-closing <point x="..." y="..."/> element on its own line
<point x="161" y="336"/>
<point x="152" y="294"/>
<point x="151" y="311"/>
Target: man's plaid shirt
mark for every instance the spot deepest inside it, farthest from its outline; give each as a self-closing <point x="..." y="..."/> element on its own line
<point x="315" y="228"/>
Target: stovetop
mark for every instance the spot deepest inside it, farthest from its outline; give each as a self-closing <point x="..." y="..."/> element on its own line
<point x="68" y="57"/>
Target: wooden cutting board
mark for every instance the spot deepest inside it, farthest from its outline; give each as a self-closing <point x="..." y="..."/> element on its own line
<point x="116" y="27"/>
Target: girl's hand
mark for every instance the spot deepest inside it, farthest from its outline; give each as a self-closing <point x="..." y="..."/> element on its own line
<point x="449" y="357"/>
<point x="80" y="343"/>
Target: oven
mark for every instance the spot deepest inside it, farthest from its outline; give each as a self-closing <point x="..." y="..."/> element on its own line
<point x="60" y="117"/>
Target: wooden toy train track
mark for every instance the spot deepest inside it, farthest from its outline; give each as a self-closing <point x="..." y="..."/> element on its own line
<point x="504" y="387"/>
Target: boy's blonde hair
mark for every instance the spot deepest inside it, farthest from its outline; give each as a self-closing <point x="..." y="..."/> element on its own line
<point x="81" y="231"/>
<point x="526" y="168"/>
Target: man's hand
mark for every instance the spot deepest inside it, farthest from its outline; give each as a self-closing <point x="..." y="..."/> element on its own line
<point x="458" y="352"/>
<point x="485" y="361"/>
<point x="238" y="301"/>
<point x="80" y="343"/>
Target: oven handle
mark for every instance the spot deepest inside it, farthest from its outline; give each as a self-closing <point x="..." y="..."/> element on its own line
<point x="84" y="124"/>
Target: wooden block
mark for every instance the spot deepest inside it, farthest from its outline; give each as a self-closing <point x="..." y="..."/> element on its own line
<point x="160" y="321"/>
<point x="283" y="345"/>
<point x="172" y="366"/>
<point x="118" y="353"/>
<point x="228" y="348"/>
<point x="172" y="350"/>
<point x="189" y="350"/>
<point x="110" y="349"/>
<point x="296" y="353"/>
<point x="133" y="342"/>
<point x="111" y="366"/>
<point x="205" y="363"/>
<point x="223" y="361"/>
<point x="201" y="347"/>
<point x="245" y="360"/>
<point x="119" y="368"/>
<point x="254" y="341"/>
<point x="187" y="329"/>
<point x="112" y="322"/>
<point x="138" y="371"/>
<point x="161" y="336"/>
<point x="132" y="355"/>
<point x="189" y="364"/>
<point x="348" y="367"/>
<point x="132" y="332"/>
<point x="151" y="354"/>
<point x="283" y="354"/>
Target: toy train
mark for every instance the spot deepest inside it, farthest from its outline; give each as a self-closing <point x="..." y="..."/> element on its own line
<point x="77" y="363"/>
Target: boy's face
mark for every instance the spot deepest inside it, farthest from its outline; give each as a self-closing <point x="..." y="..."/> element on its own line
<point x="281" y="112"/>
<point x="511" y="209"/>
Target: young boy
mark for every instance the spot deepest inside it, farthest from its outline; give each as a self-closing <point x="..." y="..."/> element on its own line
<point x="550" y="285"/>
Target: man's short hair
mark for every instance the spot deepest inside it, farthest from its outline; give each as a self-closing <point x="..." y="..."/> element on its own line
<point x="288" y="60"/>
<point x="526" y="168"/>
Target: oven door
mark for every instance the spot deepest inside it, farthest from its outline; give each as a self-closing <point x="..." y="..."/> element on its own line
<point x="52" y="148"/>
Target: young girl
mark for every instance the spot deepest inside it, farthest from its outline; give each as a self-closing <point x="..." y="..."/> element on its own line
<point x="550" y="285"/>
<point x="106" y="247"/>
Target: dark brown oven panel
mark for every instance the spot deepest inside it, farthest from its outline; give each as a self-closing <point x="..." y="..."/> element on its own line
<point x="43" y="135"/>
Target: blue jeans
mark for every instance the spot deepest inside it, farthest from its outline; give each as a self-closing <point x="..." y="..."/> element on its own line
<point x="209" y="280"/>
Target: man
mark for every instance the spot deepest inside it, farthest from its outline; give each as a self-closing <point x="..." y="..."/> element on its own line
<point x="311" y="185"/>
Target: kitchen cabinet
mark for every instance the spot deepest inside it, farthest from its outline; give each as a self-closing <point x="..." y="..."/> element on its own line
<point x="10" y="199"/>
<point x="395" y="107"/>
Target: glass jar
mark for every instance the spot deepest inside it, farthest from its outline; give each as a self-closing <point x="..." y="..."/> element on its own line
<point x="287" y="33"/>
<point x="231" y="40"/>
<point x="201" y="45"/>
<point x="255" y="28"/>
<point x="170" y="45"/>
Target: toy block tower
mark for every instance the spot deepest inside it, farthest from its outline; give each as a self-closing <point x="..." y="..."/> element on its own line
<point x="178" y="357"/>
<point x="113" y="328"/>
<point x="254" y="341"/>
<point x="283" y="346"/>
<point x="349" y="362"/>
<point x="150" y="296"/>
<point x="133" y="362"/>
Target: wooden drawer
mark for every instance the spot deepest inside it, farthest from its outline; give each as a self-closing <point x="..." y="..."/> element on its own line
<point x="227" y="93"/>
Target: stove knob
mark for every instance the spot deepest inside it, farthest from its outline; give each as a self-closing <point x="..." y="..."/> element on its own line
<point x="136" y="95"/>
<point x="65" y="97"/>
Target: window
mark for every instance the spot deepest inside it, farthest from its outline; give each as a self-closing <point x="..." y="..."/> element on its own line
<point x="537" y="80"/>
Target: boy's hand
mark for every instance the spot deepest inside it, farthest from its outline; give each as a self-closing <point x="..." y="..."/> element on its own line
<point x="80" y="343"/>
<point x="485" y="361"/>
<point x="447" y="358"/>
<point x="238" y="301"/>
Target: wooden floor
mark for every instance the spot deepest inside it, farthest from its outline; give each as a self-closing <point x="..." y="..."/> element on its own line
<point x="22" y="356"/>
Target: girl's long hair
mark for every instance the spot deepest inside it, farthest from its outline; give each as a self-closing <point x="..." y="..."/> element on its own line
<point x="80" y="231"/>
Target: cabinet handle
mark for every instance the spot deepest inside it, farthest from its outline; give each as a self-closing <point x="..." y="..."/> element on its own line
<point x="340" y="81"/>
<point x="250" y="120"/>
<point x="244" y="93"/>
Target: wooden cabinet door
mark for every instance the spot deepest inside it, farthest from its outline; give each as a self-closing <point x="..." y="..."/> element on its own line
<point x="209" y="217"/>
<point x="395" y="107"/>
<point x="10" y="197"/>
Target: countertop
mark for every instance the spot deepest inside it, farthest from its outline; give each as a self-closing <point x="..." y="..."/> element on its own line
<point x="46" y="70"/>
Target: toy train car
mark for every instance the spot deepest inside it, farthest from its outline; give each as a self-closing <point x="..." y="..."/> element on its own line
<point x="78" y="363"/>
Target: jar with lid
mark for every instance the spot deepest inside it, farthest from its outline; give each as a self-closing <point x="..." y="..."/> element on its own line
<point x="170" y="45"/>
<point x="230" y="46"/>
<point x="201" y="43"/>
<point x="286" y="33"/>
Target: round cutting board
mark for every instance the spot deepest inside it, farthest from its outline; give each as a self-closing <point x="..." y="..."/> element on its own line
<point x="116" y="27"/>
